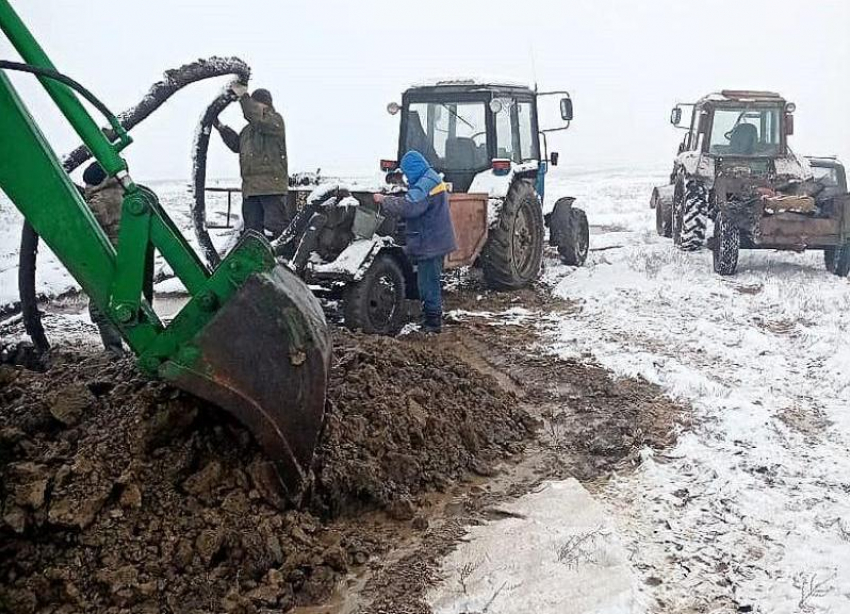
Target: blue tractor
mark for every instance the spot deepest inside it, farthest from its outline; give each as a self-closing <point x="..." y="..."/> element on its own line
<point x="487" y="139"/>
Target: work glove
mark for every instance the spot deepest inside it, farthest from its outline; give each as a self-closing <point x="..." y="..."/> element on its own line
<point x="238" y="89"/>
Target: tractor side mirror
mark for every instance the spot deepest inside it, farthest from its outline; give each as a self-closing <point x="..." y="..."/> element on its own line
<point x="676" y="116"/>
<point x="789" y="124"/>
<point x="567" y="109"/>
<point x="553" y="158"/>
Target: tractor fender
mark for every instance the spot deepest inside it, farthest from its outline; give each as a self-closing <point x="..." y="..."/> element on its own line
<point x="558" y="220"/>
<point x="697" y="164"/>
<point x="353" y="262"/>
<point x="498" y="186"/>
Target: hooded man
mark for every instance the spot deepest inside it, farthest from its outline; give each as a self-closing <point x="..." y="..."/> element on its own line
<point x="105" y="196"/>
<point x="428" y="228"/>
<point x="262" y="159"/>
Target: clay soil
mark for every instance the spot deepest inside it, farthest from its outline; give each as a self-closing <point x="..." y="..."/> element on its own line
<point x="119" y="494"/>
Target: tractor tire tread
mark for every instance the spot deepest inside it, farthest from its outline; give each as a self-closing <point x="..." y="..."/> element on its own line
<point x="574" y="247"/>
<point x="694" y="216"/>
<point x="499" y="270"/>
<point x="357" y="296"/>
<point x="727" y="245"/>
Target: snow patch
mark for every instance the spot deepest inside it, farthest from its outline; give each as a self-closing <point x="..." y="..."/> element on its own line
<point x="555" y="547"/>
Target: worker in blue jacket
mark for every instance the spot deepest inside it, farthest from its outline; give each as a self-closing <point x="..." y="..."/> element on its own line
<point x="428" y="228"/>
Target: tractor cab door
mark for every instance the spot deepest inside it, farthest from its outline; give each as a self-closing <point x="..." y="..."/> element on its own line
<point x="517" y="136"/>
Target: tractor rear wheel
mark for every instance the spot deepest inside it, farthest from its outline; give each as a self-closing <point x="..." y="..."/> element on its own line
<point x="575" y="242"/>
<point x="837" y="260"/>
<point x="727" y="244"/>
<point x="375" y="304"/>
<point x="692" y="216"/>
<point x="514" y="250"/>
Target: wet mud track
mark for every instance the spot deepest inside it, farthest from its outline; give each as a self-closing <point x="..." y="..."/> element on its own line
<point x="120" y="494"/>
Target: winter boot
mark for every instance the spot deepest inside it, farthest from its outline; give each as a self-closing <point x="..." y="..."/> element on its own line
<point x="433" y="323"/>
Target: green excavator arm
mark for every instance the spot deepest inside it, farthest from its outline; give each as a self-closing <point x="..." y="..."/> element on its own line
<point x="252" y="337"/>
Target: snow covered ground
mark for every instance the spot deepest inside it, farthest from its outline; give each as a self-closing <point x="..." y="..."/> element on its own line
<point x="52" y="279"/>
<point x="751" y="511"/>
<point x="553" y="549"/>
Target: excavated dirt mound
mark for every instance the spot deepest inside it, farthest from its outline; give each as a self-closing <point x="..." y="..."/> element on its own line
<point x="119" y="494"/>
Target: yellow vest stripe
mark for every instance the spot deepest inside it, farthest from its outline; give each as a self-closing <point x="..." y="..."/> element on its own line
<point x="439" y="189"/>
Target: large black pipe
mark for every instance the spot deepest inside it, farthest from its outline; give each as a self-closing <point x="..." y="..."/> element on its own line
<point x="199" y="176"/>
<point x="172" y="82"/>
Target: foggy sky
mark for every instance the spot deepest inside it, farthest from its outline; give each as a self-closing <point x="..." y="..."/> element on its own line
<point x="333" y="65"/>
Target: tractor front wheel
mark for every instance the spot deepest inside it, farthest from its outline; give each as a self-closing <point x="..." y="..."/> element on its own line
<point x="375" y="304"/>
<point x="575" y="242"/>
<point x="514" y="250"/>
<point x="663" y="215"/>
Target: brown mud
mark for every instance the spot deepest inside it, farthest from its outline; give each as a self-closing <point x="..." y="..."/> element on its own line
<point x="119" y="494"/>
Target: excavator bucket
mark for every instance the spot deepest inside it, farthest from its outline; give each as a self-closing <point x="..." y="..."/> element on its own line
<point x="264" y="357"/>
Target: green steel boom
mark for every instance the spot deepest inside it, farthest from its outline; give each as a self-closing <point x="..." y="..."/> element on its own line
<point x="251" y="339"/>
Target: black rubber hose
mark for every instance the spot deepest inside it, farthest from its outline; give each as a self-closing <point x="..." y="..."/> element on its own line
<point x="55" y="75"/>
<point x="26" y="287"/>
<point x="159" y="93"/>
<point x="199" y="176"/>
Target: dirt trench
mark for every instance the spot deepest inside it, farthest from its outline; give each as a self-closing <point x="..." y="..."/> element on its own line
<point x="118" y="494"/>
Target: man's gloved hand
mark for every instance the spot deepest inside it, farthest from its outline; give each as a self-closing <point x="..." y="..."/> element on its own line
<point x="378" y="198"/>
<point x="238" y="89"/>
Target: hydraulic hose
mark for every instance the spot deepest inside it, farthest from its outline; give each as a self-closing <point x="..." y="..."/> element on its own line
<point x="159" y="93"/>
<point x="55" y="75"/>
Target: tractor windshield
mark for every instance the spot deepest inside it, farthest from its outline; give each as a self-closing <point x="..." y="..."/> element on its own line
<point x="451" y="135"/>
<point x="746" y="131"/>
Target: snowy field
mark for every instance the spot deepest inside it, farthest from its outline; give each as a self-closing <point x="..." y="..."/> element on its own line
<point x="53" y="280"/>
<point x="751" y="511"/>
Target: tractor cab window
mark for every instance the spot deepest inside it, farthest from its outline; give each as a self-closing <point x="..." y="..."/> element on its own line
<point x="515" y="136"/>
<point x="745" y="131"/>
<point x="825" y="175"/>
<point x="451" y="135"/>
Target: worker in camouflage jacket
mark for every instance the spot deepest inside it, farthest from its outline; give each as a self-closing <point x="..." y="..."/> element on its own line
<point x="263" y="163"/>
<point x="429" y="234"/>
<point x="104" y="196"/>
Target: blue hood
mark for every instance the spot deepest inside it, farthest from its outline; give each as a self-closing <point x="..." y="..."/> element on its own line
<point x="414" y="166"/>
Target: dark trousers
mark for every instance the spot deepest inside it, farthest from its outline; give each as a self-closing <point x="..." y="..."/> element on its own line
<point x="266" y="214"/>
<point x="109" y="334"/>
<point x="428" y="274"/>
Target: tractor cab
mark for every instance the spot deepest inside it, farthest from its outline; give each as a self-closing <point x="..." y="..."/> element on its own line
<point x="738" y="124"/>
<point x="464" y="129"/>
